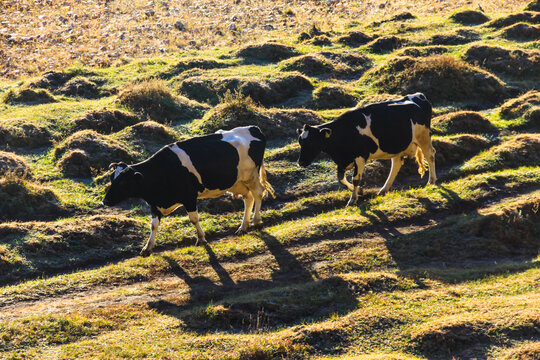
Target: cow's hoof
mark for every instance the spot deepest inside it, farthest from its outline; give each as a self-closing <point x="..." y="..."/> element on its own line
<point x="257" y="225"/>
<point x="145" y="252"/>
<point x="202" y="241"/>
<point x="240" y="231"/>
<point x="351" y="202"/>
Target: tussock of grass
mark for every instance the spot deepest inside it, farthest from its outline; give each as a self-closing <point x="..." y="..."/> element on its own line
<point x="422" y="51"/>
<point x="101" y="150"/>
<point x="81" y="87"/>
<point x="27" y="97"/>
<point x="147" y="137"/>
<point x="526" y="16"/>
<point x="521" y="32"/>
<point x="498" y="59"/>
<point x="526" y="107"/>
<point x="11" y="163"/>
<point x="458" y="37"/>
<point x="23" y="135"/>
<point x="527" y="351"/>
<point x="105" y="121"/>
<point x="267" y="52"/>
<point x="520" y="150"/>
<point x="354" y="38"/>
<point x="442" y="77"/>
<point x="153" y="98"/>
<point x="328" y="64"/>
<point x="264" y="91"/>
<point x="193" y="63"/>
<point x="469" y="17"/>
<point x="75" y="164"/>
<point x="456" y="148"/>
<point x="20" y="199"/>
<point x="333" y="97"/>
<point x="386" y="44"/>
<point x="462" y="122"/>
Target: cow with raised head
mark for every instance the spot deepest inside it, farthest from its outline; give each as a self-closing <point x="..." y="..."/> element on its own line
<point x="201" y="167"/>
<point x="392" y="129"/>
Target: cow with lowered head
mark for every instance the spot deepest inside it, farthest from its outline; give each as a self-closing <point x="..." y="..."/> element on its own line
<point x="392" y="129"/>
<point x="200" y="167"/>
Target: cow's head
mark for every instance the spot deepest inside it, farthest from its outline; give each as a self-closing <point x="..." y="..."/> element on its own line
<point x="311" y="141"/>
<point x="125" y="183"/>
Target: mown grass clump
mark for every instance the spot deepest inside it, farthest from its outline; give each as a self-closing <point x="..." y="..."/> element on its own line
<point x="333" y="97"/>
<point x="456" y="148"/>
<point x="521" y="32"/>
<point x="469" y="17"/>
<point x="267" y="52"/>
<point x="526" y="16"/>
<point x="105" y="121"/>
<point x="11" y="163"/>
<point x="100" y="150"/>
<point x="458" y="37"/>
<point x="192" y="63"/>
<point x="525" y="108"/>
<point x="462" y="122"/>
<point x="527" y="351"/>
<point x="238" y="110"/>
<point x="498" y="59"/>
<point x="147" y="137"/>
<point x="20" y="199"/>
<point x="75" y="164"/>
<point x="422" y="51"/>
<point x="81" y="87"/>
<point x="354" y="38"/>
<point x="519" y="150"/>
<point x="51" y="80"/>
<point x="329" y="64"/>
<point x="153" y="98"/>
<point x="28" y="96"/>
<point x="533" y="6"/>
<point x="442" y="77"/>
<point x="23" y="135"/>
<point x="386" y="44"/>
<point x="264" y="91"/>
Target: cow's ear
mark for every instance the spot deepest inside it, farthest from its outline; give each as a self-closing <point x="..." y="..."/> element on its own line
<point x="326" y="132"/>
<point x="138" y="177"/>
<point x="112" y="166"/>
<point x="299" y="131"/>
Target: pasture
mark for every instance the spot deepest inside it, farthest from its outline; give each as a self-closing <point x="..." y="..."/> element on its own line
<point x="442" y="271"/>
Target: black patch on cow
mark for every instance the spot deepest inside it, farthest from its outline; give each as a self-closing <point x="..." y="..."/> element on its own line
<point x="393" y="127"/>
<point x="256" y="148"/>
<point x="215" y="160"/>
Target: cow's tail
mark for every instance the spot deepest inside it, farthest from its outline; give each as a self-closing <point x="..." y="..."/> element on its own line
<point x="422" y="166"/>
<point x="268" y="189"/>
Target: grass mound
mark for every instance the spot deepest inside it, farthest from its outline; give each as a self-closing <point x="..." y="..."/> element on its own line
<point x="20" y="199"/>
<point x="530" y="17"/>
<point x="461" y="122"/>
<point x="386" y="44"/>
<point x="268" y="52"/>
<point x="354" y="38"/>
<point x="147" y="136"/>
<point x="28" y="97"/>
<point x="51" y="80"/>
<point x="398" y="17"/>
<point x="521" y="32"/>
<point x="75" y="164"/>
<point x="193" y="63"/>
<point x="533" y="5"/>
<point x="528" y="351"/>
<point x="153" y="98"/>
<point x="321" y="40"/>
<point x="23" y="135"/>
<point x="333" y="97"/>
<point x="442" y="77"/>
<point x="526" y="106"/>
<point x="264" y="91"/>
<point x="237" y="110"/>
<point x="100" y="150"/>
<point x="105" y="121"/>
<point x="13" y="164"/>
<point x="329" y="64"/>
<point x="314" y="31"/>
<point x="81" y="87"/>
<point x="469" y="17"/>
<point x="456" y="148"/>
<point x="423" y="51"/>
<point x="520" y="150"/>
<point x="498" y="59"/>
<point x="458" y="37"/>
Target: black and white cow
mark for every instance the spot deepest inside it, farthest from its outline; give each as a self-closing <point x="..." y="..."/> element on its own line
<point x="200" y="167"/>
<point x="392" y="129"/>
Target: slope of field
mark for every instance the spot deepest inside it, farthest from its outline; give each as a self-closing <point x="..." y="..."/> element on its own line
<point x="446" y="271"/>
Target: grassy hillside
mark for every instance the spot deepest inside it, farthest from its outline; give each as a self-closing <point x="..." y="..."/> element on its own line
<point x="446" y="271"/>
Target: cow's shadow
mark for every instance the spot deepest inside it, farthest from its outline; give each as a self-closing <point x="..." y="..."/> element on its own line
<point x="290" y="294"/>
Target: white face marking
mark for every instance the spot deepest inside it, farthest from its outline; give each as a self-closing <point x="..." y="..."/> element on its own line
<point x="117" y="171"/>
<point x="186" y="161"/>
<point x="304" y="134"/>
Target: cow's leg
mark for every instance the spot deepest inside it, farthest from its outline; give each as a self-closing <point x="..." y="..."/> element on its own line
<point x="154" y="225"/>
<point x="248" y="207"/>
<point x="424" y="141"/>
<point x="397" y="162"/>
<point x="342" y="179"/>
<point x="359" y="163"/>
<point x="258" y="195"/>
<point x="193" y="215"/>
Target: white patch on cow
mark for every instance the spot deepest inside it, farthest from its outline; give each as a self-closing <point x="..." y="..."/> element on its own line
<point x="117" y="171"/>
<point x="404" y="102"/>
<point x="305" y="134"/>
<point x="186" y="161"/>
<point x="418" y="95"/>
<point x="240" y="138"/>
<point x="167" y="211"/>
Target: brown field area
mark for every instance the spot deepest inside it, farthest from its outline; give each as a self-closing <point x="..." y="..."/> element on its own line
<point x="423" y="272"/>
